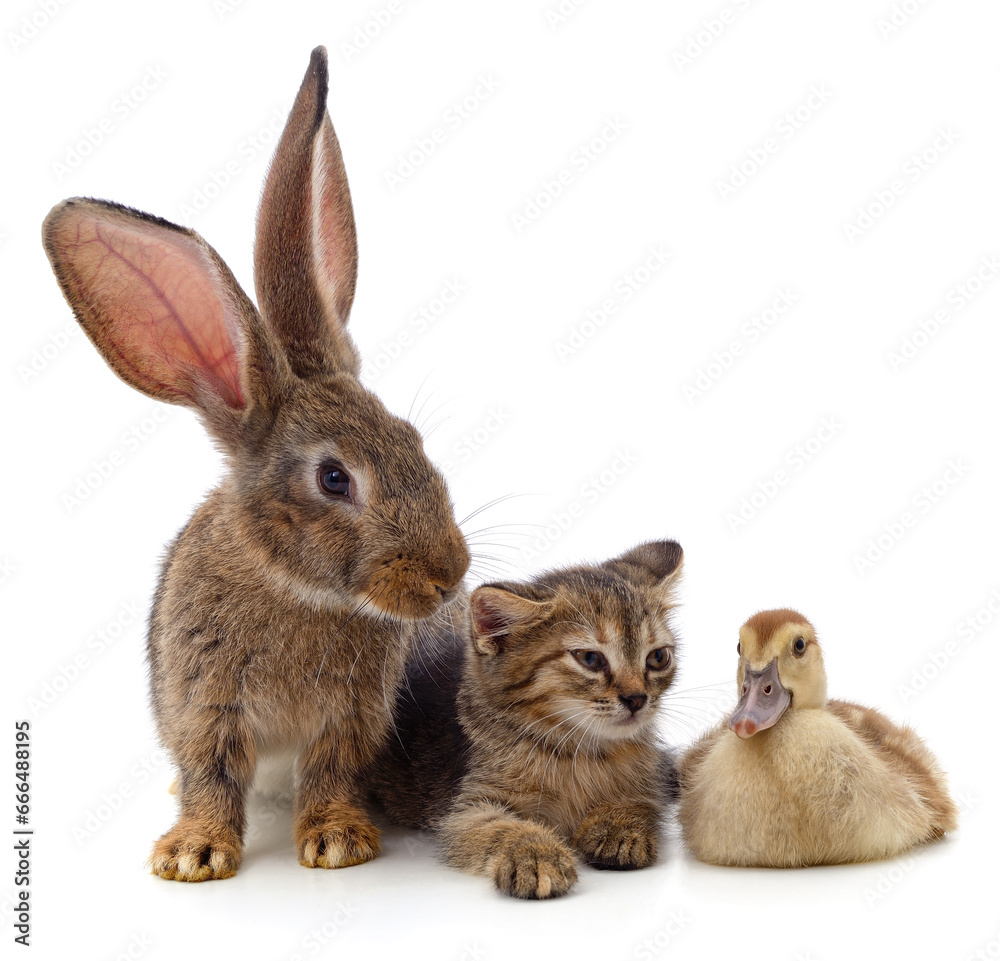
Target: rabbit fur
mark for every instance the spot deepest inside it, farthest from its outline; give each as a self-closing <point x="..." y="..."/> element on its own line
<point x="286" y="606"/>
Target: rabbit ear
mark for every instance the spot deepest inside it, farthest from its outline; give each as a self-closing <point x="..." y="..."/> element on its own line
<point x="160" y="305"/>
<point x="306" y="254"/>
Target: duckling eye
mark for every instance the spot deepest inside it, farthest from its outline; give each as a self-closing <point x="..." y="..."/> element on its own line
<point x="800" y="646"/>
<point x="659" y="659"/>
<point x="592" y="660"/>
<point x="738" y="651"/>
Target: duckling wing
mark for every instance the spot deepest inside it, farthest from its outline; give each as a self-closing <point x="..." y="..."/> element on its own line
<point x="906" y="756"/>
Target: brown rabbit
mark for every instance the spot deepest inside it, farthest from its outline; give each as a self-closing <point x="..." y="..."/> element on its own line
<point x="286" y="606"/>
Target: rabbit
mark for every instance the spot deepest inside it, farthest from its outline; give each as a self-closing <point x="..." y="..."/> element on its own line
<point x="285" y="607"/>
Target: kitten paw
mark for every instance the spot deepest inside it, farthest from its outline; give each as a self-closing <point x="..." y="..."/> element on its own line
<point x="622" y="844"/>
<point x="335" y="835"/>
<point x="534" y="869"/>
<point x="195" y="852"/>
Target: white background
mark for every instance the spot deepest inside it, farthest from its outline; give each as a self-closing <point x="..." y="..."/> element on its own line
<point x="80" y="550"/>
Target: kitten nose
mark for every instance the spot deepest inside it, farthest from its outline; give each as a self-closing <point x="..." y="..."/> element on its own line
<point x="632" y="701"/>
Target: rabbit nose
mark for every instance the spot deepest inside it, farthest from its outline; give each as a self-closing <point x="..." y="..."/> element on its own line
<point x="452" y="566"/>
<point x="445" y="593"/>
<point x="632" y="701"/>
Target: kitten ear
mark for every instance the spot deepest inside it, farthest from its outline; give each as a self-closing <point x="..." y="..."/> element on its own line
<point x="662" y="561"/>
<point x="497" y="613"/>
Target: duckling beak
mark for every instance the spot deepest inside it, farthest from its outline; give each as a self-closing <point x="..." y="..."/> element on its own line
<point x="762" y="701"/>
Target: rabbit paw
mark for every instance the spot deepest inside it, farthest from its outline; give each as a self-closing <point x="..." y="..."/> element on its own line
<point x="534" y="868"/>
<point x="196" y="852"/>
<point x="335" y="836"/>
<point x="617" y="843"/>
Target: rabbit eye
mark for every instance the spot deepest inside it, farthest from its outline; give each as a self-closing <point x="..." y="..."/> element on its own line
<point x="334" y="480"/>
<point x="592" y="660"/>
<point x="659" y="659"/>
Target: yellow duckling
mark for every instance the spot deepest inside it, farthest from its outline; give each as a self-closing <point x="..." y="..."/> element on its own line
<point x="793" y="779"/>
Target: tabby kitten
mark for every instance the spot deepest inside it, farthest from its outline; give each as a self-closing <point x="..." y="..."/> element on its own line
<point x="533" y="737"/>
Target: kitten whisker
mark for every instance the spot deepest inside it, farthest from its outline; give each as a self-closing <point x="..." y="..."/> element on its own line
<point x="703" y="687"/>
<point x="590" y="724"/>
<point x="555" y="750"/>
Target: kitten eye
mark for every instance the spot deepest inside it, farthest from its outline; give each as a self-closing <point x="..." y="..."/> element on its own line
<point x="592" y="660"/>
<point x="334" y="481"/>
<point x="659" y="659"/>
<point x="800" y="646"/>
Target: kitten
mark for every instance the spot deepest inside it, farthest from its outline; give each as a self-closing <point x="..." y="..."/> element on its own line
<point x="533" y="737"/>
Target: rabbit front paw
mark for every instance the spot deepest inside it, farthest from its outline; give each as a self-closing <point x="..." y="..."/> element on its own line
<point x="335" y="835"/>
<point x="191" y="851"/>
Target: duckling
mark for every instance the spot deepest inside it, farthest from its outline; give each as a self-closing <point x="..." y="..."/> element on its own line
<point x="793" y="779"/>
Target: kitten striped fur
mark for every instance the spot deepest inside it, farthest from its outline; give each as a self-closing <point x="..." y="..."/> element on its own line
<point x="531" y="740"/>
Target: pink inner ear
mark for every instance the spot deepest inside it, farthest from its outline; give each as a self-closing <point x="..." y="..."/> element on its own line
<point x="488" y="622"/>
<point x="334" y="242"/>
<point x="160" y="306"/>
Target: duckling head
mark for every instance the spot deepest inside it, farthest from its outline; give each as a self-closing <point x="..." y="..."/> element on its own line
<point x="781" y="668"/>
